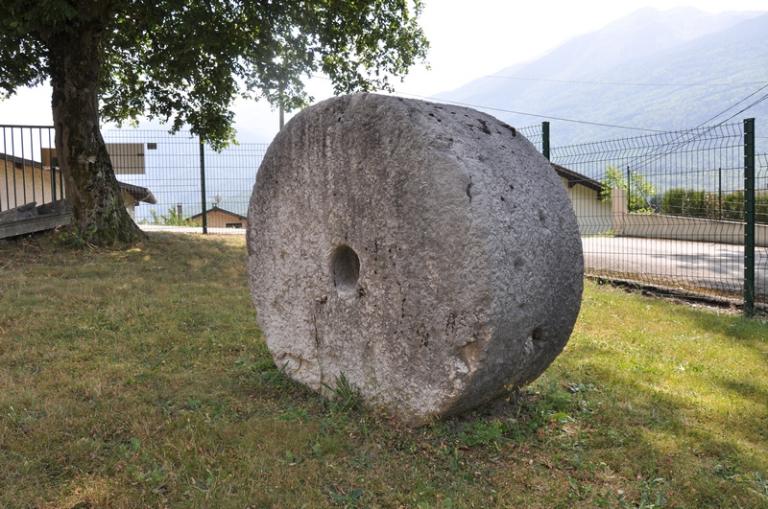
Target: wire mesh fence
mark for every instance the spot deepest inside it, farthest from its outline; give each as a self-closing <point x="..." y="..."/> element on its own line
<point x="761" y="215"/>
<point x="173" y="170"/>
<point x="167" y="166"/>
<point x="534" y="134"/>
<point x="666" y="209"/>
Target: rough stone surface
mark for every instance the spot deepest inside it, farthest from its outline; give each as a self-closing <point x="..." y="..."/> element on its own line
<point x="426" y="252"/>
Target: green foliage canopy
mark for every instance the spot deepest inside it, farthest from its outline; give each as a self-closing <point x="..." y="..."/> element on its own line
<point x="185" y="61"/>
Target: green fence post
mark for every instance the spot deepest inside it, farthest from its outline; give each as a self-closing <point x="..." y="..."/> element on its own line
<point x="545" y="139"/>
<point x="720" y="193"/>
<point x="202" y="187"/>
<point x="749" y="216"/>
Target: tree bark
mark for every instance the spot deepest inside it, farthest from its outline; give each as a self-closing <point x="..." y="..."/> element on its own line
<point x="98" y="214"/>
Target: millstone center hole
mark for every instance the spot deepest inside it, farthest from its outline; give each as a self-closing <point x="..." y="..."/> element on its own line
<point x="345" y="268"/>
<point x="537" y="335"/>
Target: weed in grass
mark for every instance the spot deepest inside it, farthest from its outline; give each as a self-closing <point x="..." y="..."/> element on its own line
<point x="760" y="483"/>
<point x="348" y="499"/>
<point x="346" y="398"/>
<point x="69" y="238"/>
<point x="480" y="433"/>
<point x="652" y="494"/>
<point x="295" y="414"/>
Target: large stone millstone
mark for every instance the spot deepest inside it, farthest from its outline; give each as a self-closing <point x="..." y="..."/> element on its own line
<point x="428" y="253"/>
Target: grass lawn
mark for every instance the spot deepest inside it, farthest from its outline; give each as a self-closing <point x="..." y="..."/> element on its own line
<point x="138" y="378"/>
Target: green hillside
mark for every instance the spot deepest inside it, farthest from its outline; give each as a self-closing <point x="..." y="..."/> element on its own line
<point x="658" y="70"/>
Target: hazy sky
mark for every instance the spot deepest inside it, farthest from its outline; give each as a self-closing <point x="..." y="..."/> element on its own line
<point x="473" y="38"/>
<point x="468" y="39"/>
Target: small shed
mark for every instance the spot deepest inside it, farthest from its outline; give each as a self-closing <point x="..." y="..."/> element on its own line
<point x="593" y="214"/>
<point x="217" y="217"/>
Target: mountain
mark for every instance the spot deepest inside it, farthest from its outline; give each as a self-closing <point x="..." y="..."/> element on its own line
<point x="652" y="69"/>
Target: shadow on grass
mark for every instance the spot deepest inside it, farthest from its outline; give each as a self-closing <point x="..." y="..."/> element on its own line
<point x="745" y="389"/>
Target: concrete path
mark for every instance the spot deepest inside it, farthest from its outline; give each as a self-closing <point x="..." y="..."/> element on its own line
<point x="191" y="229"/>
<point x="673" y="262"/>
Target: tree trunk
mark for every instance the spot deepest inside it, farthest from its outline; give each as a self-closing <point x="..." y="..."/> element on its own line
<point x="99" y="215"/>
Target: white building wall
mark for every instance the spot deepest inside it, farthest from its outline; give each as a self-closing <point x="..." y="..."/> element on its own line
<point x="593" y="215"/>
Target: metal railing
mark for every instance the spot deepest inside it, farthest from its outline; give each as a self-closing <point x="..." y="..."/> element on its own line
<point x="28" y="174"/>
<point x="166" y="180"/>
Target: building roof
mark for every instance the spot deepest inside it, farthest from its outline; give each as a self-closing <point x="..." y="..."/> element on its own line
<point x="216" y="208"/>
<point x="139" y="193"/>
<point x="574" y="178"/>
<point x="20" y="161"/>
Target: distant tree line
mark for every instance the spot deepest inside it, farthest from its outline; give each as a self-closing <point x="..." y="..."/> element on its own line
<point x="730" y="206"/>
<point x="642" y="198"/>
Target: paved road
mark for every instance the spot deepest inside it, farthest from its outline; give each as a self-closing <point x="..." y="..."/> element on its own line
<point x="675" y="262"/>
<point x="693" y="265"/>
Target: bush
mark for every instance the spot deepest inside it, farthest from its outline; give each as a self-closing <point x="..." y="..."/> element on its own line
<point x="687" y="202"/>
<point x="733" y="206"/>
<point x="672" y="201"/>
<point x="640" y="190"/>
<point x="174" y="218"/>
<point x="761" y="207"/>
